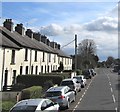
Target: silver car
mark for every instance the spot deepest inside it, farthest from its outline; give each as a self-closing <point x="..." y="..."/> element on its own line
<point x="72" y="83"/>
<point x="63" y="95"/>
<point x="82" y="80"/>
<point x="35" y="105"/>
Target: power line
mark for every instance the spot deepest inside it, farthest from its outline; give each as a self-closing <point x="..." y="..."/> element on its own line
<point x="68" y="43"/>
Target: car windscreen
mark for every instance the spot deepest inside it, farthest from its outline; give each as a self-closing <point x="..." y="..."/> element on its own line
<point x="64" y="83"/>
<point x="53" y="93"/>
<point x="24" y="108"/>
<point x="78" y="78"/>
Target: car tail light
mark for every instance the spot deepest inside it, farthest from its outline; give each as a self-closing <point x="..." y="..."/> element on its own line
<point x="61" y="97"/>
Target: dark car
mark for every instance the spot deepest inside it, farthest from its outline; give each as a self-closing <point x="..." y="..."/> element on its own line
<point x="87" y="73"/>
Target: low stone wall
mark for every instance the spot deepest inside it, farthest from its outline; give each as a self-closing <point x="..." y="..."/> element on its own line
<point x="8" y="95"/>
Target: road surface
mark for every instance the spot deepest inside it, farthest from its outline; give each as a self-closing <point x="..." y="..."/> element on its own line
<point x="101" y="93"/>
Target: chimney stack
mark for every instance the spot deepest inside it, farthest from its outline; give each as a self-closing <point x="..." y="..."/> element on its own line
<point x="20" y="29"/>
<point x="37" y="36"/>
<point x="8" y="24"/>
<point x="29" y="33"/>
<point x="52" y="44"/>
<point x="44" y="39"/>
<point x="59" y="46"/>
<point x="56" y="46"/>
<point x="48" y="42"/>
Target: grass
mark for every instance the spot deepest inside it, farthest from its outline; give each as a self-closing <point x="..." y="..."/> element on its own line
<point x="7" y="105"/>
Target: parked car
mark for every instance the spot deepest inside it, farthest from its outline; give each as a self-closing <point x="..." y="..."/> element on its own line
<point x="87" y="74"/>
<point x="35" y="105"/>
<point x="63" y="95"/>
<point x="92" y="72"/>
<point x="72" y="83"/>
<point x="81" y="79"/>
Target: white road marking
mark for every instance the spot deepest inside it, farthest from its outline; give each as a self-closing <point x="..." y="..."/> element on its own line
<point x="110" y="83"/>
<point x="76" y="106"/>
<point x="113" y="98"/>
<point x="111" y="90"/>
<point x="80" y="99"/>
<point x="116" y="109"/>
<point x="83" y="95"/>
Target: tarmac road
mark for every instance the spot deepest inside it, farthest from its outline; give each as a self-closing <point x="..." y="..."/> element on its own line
<point x="101" y="93"/>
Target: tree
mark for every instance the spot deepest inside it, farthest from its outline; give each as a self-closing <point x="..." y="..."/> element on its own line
<point x="87" y="47"/>
<point x="87" y="53"/>
<point x="109" y="61"/>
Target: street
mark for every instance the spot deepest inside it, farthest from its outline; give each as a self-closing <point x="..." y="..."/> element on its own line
<point x="101" y="93"/>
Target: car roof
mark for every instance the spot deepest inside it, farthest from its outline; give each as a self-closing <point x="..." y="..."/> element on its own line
<point x="32" y="102"/>
<point x="59" y="88"/>
<point x="69" y="79"/>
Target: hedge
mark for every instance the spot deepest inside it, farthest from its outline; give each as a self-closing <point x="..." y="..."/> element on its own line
<point x="31" y="92"/>
<point x="38" y="80"/>
<point x="64" y="74"/>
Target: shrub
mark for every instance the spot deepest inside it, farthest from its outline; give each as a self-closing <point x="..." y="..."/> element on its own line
<point x="31" y="92"/>
<point x="78" y="72"/>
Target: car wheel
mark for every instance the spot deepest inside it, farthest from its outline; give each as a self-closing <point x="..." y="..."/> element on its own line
<point x="68" y="104"/>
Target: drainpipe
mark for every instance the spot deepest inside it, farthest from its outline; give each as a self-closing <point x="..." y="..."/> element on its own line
<point x="3" y="65"/>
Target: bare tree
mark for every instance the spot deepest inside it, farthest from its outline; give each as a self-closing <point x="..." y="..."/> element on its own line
<point x="87" y="47"/>
<point x="87" y="52"/>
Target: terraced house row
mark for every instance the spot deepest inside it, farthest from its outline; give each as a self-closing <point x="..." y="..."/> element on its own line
<point x="27" y="52"/>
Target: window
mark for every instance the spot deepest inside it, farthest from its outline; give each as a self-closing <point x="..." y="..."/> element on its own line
<point x="45" y="68"/>
<point x="49" y="57"/>
<point x="26" y="54"/>
<point x="51" y="67"/>
<point x="36" y="70"/>
<point x="14" y="77"/>
<point x="43" y="56"/>
<point x="58" y="60"/>
<point x="48" y="69"/>
<point x="6" y="78"/>
<point x="13" y="57"/>
<point x="26" y="71"/>
<point x="44" y="105"/>
<point x="35" y="55"/>
<point x="21" y="68"/>
<point x="54" y="58"/>
<point x="41" y="69"/>
<point x="31" y="69"/>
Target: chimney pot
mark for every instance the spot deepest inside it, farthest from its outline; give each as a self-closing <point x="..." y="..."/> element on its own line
<point x="44" y="39"/>
<point x="29" y="33"/>
<point x="37" y="36"/>
<point x="20" y="29"/>
<point x="8" y="24"/>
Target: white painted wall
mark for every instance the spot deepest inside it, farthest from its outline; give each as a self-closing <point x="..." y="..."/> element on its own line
<point x="20" y="61"/>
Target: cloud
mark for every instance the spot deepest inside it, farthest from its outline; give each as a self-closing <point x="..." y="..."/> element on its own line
<point x="51" y="30"/>
<point x="105" y="24"/>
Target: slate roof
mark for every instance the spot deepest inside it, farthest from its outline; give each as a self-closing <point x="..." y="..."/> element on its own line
<point x="5" y="42"/>
<point x="26" y="42"/>
<point x="62" y="54"/>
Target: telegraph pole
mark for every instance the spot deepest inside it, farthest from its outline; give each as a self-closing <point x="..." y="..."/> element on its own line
<point x="75" y="52"/>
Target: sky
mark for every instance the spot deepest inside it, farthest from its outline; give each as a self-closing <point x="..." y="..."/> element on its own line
<point x="60" y="21"/>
